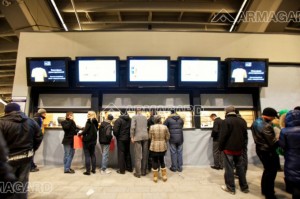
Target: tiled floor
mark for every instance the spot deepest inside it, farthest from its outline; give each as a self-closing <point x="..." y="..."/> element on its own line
<point x="193" y="182"/>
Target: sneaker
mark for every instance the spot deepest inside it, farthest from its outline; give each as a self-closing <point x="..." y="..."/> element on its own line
<point x="215" y="167"/>
<point x="86" y="173"/>
<point x="172" y="169"/>
<point x="137" y="175"/>
<point x="93" y="171"/>
<point x="34" y="170"/>
<point x="245" y="191"/>
<point x="106" y="171"/>
<point x="120" y="172"/>
<point x="224" y="188"/>
<point x="70" y="171"/>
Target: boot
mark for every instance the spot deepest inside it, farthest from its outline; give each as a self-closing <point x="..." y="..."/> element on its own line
<point x="164" y="174"/>
<point x="155" y="175"/>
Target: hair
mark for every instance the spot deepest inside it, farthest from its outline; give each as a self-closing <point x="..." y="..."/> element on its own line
<point x="157" y="119"/>
<point x="92" y="114"/>
<point x="68" y="114"/>
<point x="213" y="115"/>
<point x="297" y="108"/>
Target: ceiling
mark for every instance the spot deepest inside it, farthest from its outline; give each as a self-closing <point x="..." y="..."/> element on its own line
<point x="135" y="15"/>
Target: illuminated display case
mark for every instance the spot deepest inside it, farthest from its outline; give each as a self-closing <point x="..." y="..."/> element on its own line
<point x="206" y="122"/>
<point x="187" y="116"/>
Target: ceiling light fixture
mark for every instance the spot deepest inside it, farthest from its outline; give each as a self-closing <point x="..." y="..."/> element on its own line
<point x="238" y="15"/>
<point x="3" y="102"/>
<point x="59" y="16"/>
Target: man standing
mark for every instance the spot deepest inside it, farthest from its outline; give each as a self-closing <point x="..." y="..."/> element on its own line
<point x="39" y="118"/>
<point x="266" y="143"/>
<point x="121" y="131"/>
<point x="139" y="136"/>
<point x="217" y="155"/>
<point x="232" y="142"/>
<point x="175" y="126"/>
<point x="23" y="136"/>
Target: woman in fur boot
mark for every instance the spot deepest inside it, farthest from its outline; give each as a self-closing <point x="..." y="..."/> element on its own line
<point x="159" y="136"/>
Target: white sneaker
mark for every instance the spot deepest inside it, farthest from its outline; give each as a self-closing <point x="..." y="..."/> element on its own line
<point x="106" y="171"/>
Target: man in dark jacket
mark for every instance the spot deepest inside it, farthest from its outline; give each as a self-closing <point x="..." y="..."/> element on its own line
<point x="175" y="126"/>
<point x="233" y="139"/>
<point x="105" y="136"/>
<point x="70" y="129"/>
<point x="150" y="122"/>
<point x="39" y="118"/>
<point x="289" y="140"/>
<point x="23" y="136"/>
<point x="217" y="155"/>
<point x="266" y="144"/>
<point x="6" y="175"/>
<point x="121" y="130"/>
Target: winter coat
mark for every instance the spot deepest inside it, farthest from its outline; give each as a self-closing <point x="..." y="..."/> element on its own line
<point x="121" y="128"/>
<point x="39" y="119"/>
<point x="70" y="130"/>
<point x="216" y="129"/>
<point x="233" y="134"/>
<point x="264" y="135"/>
<point x="90" y="133"/>
<point x="138" y="128"/>
<point x="21" y="133"/>
<point x="105" y="132"/>
<point x="175" y="126"/>
<point x="290" y="141"/>
<point x="159" y="135"/>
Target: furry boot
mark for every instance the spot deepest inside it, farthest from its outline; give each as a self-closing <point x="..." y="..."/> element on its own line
<point x="155" y="175"/>
<point x="164" y="174"/>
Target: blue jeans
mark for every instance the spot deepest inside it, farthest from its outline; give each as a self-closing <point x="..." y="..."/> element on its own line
<point x="68" y="156"/>
<point x="176" y="156"/>
<point x="229" y="162"/>
<point x="105" y="154"/>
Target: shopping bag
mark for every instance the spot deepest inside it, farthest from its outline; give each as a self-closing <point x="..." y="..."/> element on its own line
<point x="112" y="144"/>
<point x="78" y="142"/>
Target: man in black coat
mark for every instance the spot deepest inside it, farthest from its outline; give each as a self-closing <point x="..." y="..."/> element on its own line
<point x="217" y="155"/>
<point x="23" y="137"/>
<point x="233" y="140"/>
<point x="121" y="131"/>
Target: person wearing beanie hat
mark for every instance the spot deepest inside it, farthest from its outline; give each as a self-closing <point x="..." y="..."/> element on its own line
<point x="233" y="141"/>
<point x="265" y="139"/>
<point x="11" y="107"/>
<point x="23" y="137"/>
<point x="105" y="137"/>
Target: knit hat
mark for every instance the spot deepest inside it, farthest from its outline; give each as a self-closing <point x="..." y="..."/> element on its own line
<point x="270" y="112"/>
<point x="110" y="117"/>
<point x="12" y="107"/>
<point x="41" y="111"/>
<point x="229" y="109"/>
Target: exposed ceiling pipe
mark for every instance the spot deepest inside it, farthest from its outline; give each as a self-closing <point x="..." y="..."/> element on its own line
<point x="238" y="15"/>
<point x="59" y="16"/>
<point x="72" y="2"/>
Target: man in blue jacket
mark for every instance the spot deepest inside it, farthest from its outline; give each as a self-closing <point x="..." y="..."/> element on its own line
<point x="175" y="126"/>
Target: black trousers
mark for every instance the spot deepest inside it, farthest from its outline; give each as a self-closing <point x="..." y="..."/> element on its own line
<point x="124" y="157"/>
<point x="89" y="154"/>
<point x="158" y="161"/>
<point x="270" y="162"/>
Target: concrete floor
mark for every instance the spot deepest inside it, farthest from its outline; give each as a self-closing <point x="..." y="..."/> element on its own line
<point x="193" y="182"/>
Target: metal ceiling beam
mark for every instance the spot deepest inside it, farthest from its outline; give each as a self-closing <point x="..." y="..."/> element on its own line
<point x="7" y="34"/>
<point x="153" y="22"/>
<point x="258" y="24"/>
<point x="229" y="6"/>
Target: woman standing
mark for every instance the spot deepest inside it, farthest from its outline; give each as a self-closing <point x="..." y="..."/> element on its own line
<point x="89" y="142"/>
<point x="159" y="135"/>
<point x="70" y="129"/>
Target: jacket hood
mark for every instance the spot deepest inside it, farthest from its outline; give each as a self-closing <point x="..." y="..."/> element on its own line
<point x="174" y="116"/>
<point x="292" y="118"/>
<point x="15" y="116"/>
<point x="105" y="123"/>
<point x="125" y="117"/>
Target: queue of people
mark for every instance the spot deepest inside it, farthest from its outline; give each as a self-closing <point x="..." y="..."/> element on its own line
<point x="273" y="133"/>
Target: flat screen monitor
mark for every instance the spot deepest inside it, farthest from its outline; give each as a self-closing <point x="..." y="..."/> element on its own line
<point x="97" y="71"/>
<point x="247" y="72"/>
<point x="148" y="71"/>
<point x="199" y="71"/>
<point x="47" y="71"/>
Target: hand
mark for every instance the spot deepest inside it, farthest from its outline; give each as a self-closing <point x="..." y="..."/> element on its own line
<point x="132" y="140"/>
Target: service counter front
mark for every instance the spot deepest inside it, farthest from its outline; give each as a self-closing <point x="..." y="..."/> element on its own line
<point x="197" y="150"/>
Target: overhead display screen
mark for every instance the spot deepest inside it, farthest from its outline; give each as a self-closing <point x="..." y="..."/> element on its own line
<point x="97" y="70"/>
<point x="148" y="70"/>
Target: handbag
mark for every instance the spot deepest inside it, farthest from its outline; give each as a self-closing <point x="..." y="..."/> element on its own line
<point x="78" y="142"/>
<point x="112" y="144"/>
